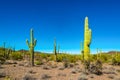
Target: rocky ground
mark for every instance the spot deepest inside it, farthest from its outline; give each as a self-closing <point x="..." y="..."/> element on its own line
<point x="20" y="70"/>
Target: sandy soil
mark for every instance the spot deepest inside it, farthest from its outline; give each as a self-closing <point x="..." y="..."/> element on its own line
<point x="48" y="71"/>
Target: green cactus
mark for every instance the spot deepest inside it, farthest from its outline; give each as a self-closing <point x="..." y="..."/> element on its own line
<point x="58" y="49"/>
<point x="31" y="46"/>
<point x="4" y="50"/>
<point x="82" y="53"/>
<point x="87" y="40"/>
<point x="100" y="53"/>
<point x="97" y="54"/>
<point x="55" y="52"/>
<point x="9" y="51"/>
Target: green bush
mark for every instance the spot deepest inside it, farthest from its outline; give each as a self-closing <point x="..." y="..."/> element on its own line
<point x="16" y="56"/>
<point x="38" y="62"/>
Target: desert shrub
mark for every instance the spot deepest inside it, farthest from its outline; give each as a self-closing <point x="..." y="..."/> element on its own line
<point x="52" y="57"/>
<point x="116" y="60"/>
<point x="16" y="56"/>
<point x="38" y="63"/>
<point x="28" y="77"/>
<point x="66" y="62"/>
<point x="96" y="68"/>
<point x="59" y="58"/>
<point x="2" y="60"/>
<point x="44" y="55"/>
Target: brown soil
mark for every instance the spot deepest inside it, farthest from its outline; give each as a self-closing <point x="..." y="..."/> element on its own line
<point x="17" y="72"/>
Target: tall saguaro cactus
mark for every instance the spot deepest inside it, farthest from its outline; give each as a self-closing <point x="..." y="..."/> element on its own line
<point x="87" y="39"/>
<point x="31" y="46"/>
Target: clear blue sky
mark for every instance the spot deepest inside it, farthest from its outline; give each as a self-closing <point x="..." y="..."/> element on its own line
<point x="60" y="19"/>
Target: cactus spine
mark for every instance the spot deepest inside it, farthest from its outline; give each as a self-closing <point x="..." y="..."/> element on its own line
<point x="31" y="46"/>
<point x="87" y="39"/>
<point x="55" y="52"/>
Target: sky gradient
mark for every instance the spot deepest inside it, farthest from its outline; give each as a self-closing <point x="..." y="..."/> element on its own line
<point x="60" y="19"/>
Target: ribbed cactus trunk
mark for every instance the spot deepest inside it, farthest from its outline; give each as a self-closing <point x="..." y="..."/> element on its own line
<point x="87" y="40"/>
<point x="31" y="46"/>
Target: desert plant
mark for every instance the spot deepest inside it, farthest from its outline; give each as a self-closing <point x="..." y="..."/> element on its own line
<point x="55" y="52"/>
<point x="38" y="62"/>
<point x="87" y="39"/>
<point x="66" y="62"/>
<point x="16" y="56"/>
<point x="31" y="46"/>
<point x="116" y="59"/>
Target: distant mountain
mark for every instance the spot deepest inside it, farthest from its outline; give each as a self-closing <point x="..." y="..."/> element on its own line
<point x="23" y="50"/>
<point x="113" y="52"/>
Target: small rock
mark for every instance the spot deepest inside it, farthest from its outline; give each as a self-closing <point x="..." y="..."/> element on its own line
<point x="83" y="77"/>
<point x="117" y="78"/>
<point x="91" y="76"/>
<point x="2" y="73"/>
<point x="74" y="71"/>
<point x="31" y="72"/>
<point x="61" y="74"/>
<point x="27" y="65"/>
<point x="61" y="68"/>
<point x="21" y="64"/>
<point x="28" y="77"/>
<point x="111" y="76"/>
<point x="46" y="67"/>
<point x="71" y="65"/>
<point x="45" y="76"/>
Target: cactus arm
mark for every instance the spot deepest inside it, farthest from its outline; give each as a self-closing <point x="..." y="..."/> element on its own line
<point x="27" y="42"/>
<point x="31" y="36"/>
<point x="35" y="41"/>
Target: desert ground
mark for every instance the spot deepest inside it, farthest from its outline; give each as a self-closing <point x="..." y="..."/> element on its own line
<point x="51" y="70"/>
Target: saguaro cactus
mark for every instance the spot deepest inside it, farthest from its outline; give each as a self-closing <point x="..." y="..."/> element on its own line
<point x="31" y="46"/>
<point x="97" y="55"/>
<point x="4" y="50"/>
<point x="58" y="49"/>
<point x="55" y="52"/>
<point x="81" y="50"/>
<point x="87" y="39"/>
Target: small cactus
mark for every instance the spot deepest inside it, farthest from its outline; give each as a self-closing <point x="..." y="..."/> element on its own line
<point x="58" y="49"/>
<point x="31" y="46"/>
<point x="4" y="50"/>
<point x="55" y="52"/>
